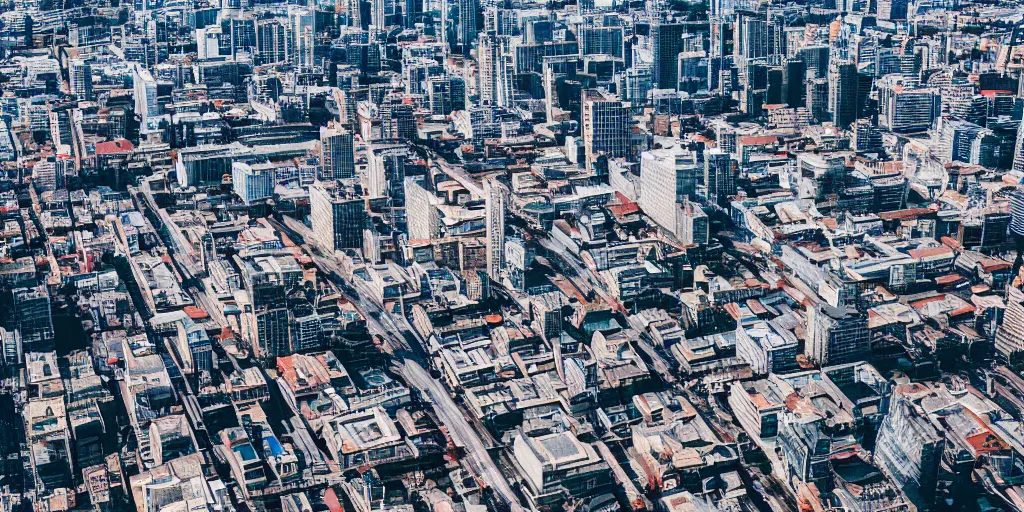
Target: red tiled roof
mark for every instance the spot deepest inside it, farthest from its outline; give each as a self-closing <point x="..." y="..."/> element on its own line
<point x="114" y="147"/>
<point x="928" y="252"/>
<point x="759" y="140"/>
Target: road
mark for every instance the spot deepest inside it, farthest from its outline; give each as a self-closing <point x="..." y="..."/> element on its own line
<point x="396" y="333"/>
<point x="477" y="458"/>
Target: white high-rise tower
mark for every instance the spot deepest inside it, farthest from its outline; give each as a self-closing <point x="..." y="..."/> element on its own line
<point x="495" y="195"/>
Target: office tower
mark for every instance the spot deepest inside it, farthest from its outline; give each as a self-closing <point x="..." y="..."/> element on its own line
<point x="337" y="216"/>
<point x="337" y="156"/>
<point x="302" y="25"/>
<point x="670" y="177"/>
<point x="240" y="35"/>
<point x="837" y="335"/>
<point x="775" y="86"/>
<point x="795" y="82"/>
<point x="378" y="14"/>
<point x="467" y="29"/>
<point x="893" y="10"/>
<point x="518" y="258"/>
<point x="606" y="126"/>
<point x="842" y="92"/>
<point x="494" y="57"/>
<point x="777" y="41"/>
<point x="252" y="182"/>
<point x="495" y="196"/>
<point x="904" y="108"/>
<point x="767" y="348"/>
<point x="720" y="170"/>
<point x="272" y="41"/>
<point x="1010" y="336"/>
<point x="272" y="332"/>
<point x="32" y="316"/>
<point x="208" y="42"/>
<point x="424" y="221"/>
<point x="1018" y="149"/>
<point x="659" y="171"/>
<point x="816" y="59"/>
<point x="693" y="224"/>
<point x="385" y="173"/>
<point x="601" y="41"/>
<point x="817" y="98"/>
<point x="909" y="450"/>
<point x="80" y="75"/>
<point x="750" y="37"/>
<point x="866" y="136"/>
<point x="144" y="87"/>
<point x="668" y="43"/>
<point x="354" y="15"/>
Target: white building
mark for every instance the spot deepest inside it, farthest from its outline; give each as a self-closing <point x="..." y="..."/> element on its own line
<point x="252" y="182"/>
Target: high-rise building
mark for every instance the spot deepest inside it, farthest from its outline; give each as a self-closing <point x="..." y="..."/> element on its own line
<point x="144" y="87"/>
<point x="271" y="332"/>
<point x="1018" y="150"/>
<point x="497" y="74"/>
<point x="842" y="92"/>
<point x="693" y="224"/>
<point x="80" y="75"/>
<point x="668" y="43"/>
<point x="1010" y="336"/>
<point x="670" y="177"/>
<point x="720" y="170"/>
<point x="337" y="215"/>
<point x="32" y="316"/>
<point x="606" y="126"/>
<point x="817" y="98"/>
<point x="272" y="41"/>
<point x="904" y="108"/>
<point x="816" y="57"/>
<point x="909" y="450"/>
<point x="252" y="182"/>
<point x="421" y="210"/>
<point x="837" y="335"/>
<point x="750" y="37"/>
<point x="495" y="196"/>
<point x="337" y="155"/>
<point x="302" y="25"/>
<point x="467" y="28"/>
<point x="385" y="173"/>
<point x="795" y="78"/>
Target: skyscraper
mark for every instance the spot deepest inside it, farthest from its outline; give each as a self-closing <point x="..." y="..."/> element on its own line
<point x="670" y="178"/>
<point x="144" y="87"/>
<point x="606" y="126"/>
<point x="80" y="74"/>
<point x="32" y="316"/>
<point x="909" y="450"/>
<point x="668" y="43"/>
<point x="421" y="210"/>
<point x="494" y="57"/>
<point x="337" y="158"/>
<point x="1018" y="150"/>
<point x="495" y="196"/>
<point x="467" y="29"/>
<point x="272" y="41"/>
<point x="720" y="170"/>
<point x="1010" y="336"/>
<point x="252" y="182"/>
<point x="817" y="98"/>
<point x="842" y="92"/>
<point x="795" y="82"/>
<point x="301" y="23"/>
<point x="337" y="216"/>
<point x="837" y="335"/>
